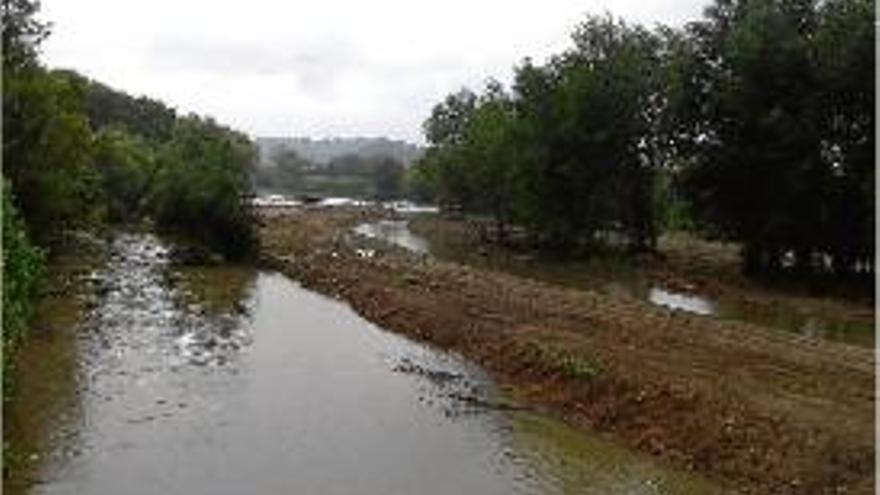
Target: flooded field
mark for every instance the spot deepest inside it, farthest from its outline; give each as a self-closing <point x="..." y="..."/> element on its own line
<point x="623" y="279"/>
<point x="229" y="380"/>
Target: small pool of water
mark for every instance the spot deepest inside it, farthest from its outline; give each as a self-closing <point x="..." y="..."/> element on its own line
<point x="395" y="232"/>
<point x="675" y="300"/>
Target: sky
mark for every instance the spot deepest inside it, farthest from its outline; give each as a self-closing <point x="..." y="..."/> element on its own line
<point x="319" y="68"/>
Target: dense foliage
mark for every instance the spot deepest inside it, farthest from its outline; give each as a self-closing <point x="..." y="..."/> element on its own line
<point x="188" y="174"/>
<point x="47" y="153"/>
<point x="23" y="266"/>
<point x="202" y="176"/>
<point x="379" y="177"/>
<point x="785" y="156"/>
<point x="754" y="124"/>
<point x="572" y="154"/>
<point x="77" y="154"/>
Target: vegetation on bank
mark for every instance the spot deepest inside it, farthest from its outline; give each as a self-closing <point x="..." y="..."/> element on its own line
<point x="23" y="267"/>
<point x="78" y="155"/>
<point x="753" y="124"/>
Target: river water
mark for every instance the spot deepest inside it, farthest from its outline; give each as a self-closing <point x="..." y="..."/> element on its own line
<point x="229" y="380"/>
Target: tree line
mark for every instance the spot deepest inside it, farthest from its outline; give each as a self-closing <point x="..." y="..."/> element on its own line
<point x="752" y="124"/>
<point x="380" y="177"/>
<point x="78" y="155"/>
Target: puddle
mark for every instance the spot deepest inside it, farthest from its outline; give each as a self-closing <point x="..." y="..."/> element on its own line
<point x="408" y="207"/>
<point x="394" y="232"/>
<point x="684" y="302"/>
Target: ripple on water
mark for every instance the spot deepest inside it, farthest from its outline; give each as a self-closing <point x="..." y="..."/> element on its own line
<point x="270" y="388"/>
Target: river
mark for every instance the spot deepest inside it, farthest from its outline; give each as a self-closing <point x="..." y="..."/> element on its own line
<point x="229" y="380"/>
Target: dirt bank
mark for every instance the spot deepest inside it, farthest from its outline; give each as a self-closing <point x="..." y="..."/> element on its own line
<point x="684" y="264"/>
<point x="765" y="411"/>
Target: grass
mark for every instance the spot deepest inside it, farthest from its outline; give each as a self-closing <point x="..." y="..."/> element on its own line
<point x="570" y="364"/>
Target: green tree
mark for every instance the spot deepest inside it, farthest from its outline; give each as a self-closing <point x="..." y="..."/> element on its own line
<point x="589" y="123"/>
<point x="22" y="35"/>
<point x="446" y="124"/>
<point x="779" y="125"/>
<point x="128" y="169"/>
<point x="46" y="141"/>
<point x="47" y="154"/>
<point x="387" y="178"/>
<point x="844" y="50"/>
<point x="487" y="157"/>
<point x="203" y="189"/>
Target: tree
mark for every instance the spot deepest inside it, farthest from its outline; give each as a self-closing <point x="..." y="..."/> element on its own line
<point x="22" y="35"/>
<point x="488" y="154"/>
<point x="588" y="124"/>
<point x="46" y="142"/>
<point x="446" y="124"/>
<point x="845" y="61"/>
<point x="387" y="178"/>
<point x="442" y="165"/>
<point x="47" y="154"/>
<point x="772" y="131"/>
<point x="202" y="190"/>
<point x="289" y="169"/>
<point x="128" y="170"/>
<point x="150" y="120"/>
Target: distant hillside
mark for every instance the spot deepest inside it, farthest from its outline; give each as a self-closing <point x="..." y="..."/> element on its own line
<point x="323" y="150"/>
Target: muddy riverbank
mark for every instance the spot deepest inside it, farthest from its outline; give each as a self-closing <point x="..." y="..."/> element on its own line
<point x="687" y="272"/>
<point x="763" y="410"/>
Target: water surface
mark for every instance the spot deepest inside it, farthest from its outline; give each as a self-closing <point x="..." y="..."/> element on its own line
<point x="226" y="381"/>
<point x="395" y="232"/>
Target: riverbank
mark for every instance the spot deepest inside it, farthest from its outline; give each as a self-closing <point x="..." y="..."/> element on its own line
<point x="705" y="273"/>
<point x="45" y="370"/>
<point x="761" y="410"/>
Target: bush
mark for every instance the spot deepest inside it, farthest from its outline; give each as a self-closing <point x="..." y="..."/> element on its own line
<point x="23" y="267"/>
<point x="203" y="188"/>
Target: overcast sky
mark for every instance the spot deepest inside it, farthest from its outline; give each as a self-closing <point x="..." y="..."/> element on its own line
<point x="321" y="67"/>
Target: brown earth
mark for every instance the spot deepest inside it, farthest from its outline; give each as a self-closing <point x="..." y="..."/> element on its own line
<point x="684" y="263"/>
<point x="758" y="410"/>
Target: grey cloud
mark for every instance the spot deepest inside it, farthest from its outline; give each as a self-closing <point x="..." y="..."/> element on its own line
<point x="317" y="65"/>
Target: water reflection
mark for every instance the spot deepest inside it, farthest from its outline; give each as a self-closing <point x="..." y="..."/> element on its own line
<point x="395" y="232"/>
<point x="675" y="300"/>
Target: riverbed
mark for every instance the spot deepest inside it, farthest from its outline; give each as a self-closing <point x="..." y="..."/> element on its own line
<point x="232" y="380"/>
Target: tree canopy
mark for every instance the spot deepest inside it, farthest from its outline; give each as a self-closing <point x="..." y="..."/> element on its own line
<point x="757" y="121"/>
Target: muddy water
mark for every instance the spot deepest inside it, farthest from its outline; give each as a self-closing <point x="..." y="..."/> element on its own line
<point x="230" y="381"/>
<point x="623" y="279"/>
<point x="396" y="232"/>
